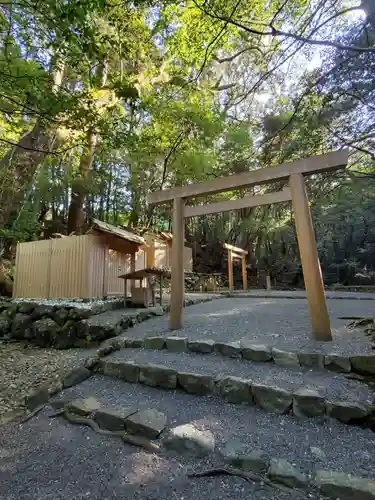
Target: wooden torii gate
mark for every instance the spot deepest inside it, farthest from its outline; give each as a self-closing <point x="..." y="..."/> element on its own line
<point x="236" y="253"/>
<point x="293" y="172"/>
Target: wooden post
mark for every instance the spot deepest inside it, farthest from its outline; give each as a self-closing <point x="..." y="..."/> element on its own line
<point x="244" y="272"/>
<point x="178" y="277"/>
<point x="312" y="274"/>
<point x="105" y="270"/>
<point x="230" y="269"/>
<point x="132" y="269"/>
<point x="268" y="282"/>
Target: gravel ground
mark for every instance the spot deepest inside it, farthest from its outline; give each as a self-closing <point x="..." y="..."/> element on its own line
<point x="50" y="459"/>
<point x="281" y="323"/>
<point x="330" y="385"/>
<point x="22" y="368"/>
<point x="54" y="460"/>
<point x="76" y="303"/>
<point x="344" y="448"/>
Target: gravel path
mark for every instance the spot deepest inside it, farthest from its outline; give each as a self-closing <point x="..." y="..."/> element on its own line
<point x="344" y="448"/>
<point x="22" y="368"/>
<point x="282" y="323"/>
<point x="331" y="385"/>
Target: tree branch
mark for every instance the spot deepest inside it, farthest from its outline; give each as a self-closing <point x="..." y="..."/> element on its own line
<point x="274" y="32"/>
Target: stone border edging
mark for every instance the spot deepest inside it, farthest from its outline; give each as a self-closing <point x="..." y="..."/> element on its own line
<point x="330" y="483"/>
<point x="302" y="402"/>
<point x="361" y="364"/>
<point x="265" y="295"/>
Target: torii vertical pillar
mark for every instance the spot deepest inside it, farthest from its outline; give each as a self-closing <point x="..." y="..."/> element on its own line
<point x="230" y="269"/>
<point x="312" y="274"/>
<point x="176" y="317"/>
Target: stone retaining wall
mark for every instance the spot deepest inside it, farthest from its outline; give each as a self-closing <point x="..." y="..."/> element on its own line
<point x="59" y="325"/>
<point x="66" y="324"/>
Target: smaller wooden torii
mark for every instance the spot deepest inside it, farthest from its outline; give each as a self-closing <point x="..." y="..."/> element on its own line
<point x="236" y="253"/>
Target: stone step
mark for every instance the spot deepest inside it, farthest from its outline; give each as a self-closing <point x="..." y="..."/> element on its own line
<point x="299" y="391"/>
<point x="300" y="453"/>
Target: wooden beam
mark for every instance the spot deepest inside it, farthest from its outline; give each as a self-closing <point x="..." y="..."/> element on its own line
<point x="178" y="280"/>
<point x="246" y="202"/>
<point x="230" y="269"/>
<point x="244" y="272"/>
<point x="306" y="166"/>
<point x="312" y="274"/>
<point x="239" y="250"/>
<point x="236" y="255"/>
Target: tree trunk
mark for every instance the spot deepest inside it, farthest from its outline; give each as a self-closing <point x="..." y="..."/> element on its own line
<point x="76" y="217"/>
<point x="19" y="165"/>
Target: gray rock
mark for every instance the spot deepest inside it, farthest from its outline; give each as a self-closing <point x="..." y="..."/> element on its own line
<point x="317" y="452"/>
<point x="149" y="423"/>
<point x="338" y="485"/>
<point x="176" y="344"/>
<point x="76" y="376"/>
<point x="79" y="313"/>
<point x="272" y="399"/>
<point x="154" y="343"/>
<point x="201" y="346"/>
<point x="311" y="359"/>
<point x="61" y="316"/>
<point x="281" y="471"/>
<point x="255" y="352"/>
<point x="113" y="419"/>
<point x="105" y="350"/>
<point x="308" y="402"/>
<point x="111" y="368"/>
<point x="45" y="332"/>
<point x="67" y="335"/>
<point x="337" y="363"/>
<point x="229" y="349"/>
<point x="188" y="440"/>
<point x="92" y="363"/>
<point x="41" y="311"/>
<point x="285" y="358"/>
<point x="123" y="370"/>
<point x="83" y="407"/>
<point x="37" y="397"/>
<point x="158" y="311"/>
<point x="194" y="383"/>
<point x="143" y="315"/>
<point x="27" y="307"/>
<point x="4" y="326"/>
<point x="346" y="411"/>
<point x="363" y="364"/>
<point x="158" y="376"/>
<point x="134" y="343"/>
<point x="234" y="389"/>
<point x="20" y="323"/>
<point x="239" y="456"/>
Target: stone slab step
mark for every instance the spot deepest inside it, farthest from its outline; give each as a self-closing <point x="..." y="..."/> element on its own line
<point x="301" y="391"/>
<point x="248" y="433"/>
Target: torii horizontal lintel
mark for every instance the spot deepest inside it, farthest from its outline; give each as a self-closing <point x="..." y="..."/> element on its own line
<point x="245" y="202"/>
<point x="306" y="166"/>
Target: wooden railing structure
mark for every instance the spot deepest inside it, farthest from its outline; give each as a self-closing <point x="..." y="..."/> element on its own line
<point x="296" y="192"/>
